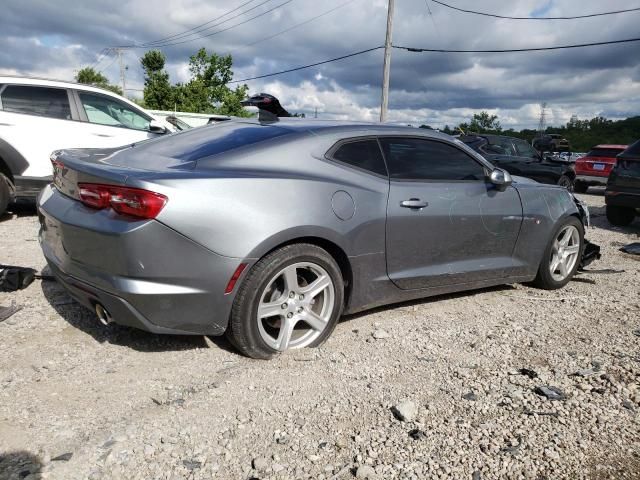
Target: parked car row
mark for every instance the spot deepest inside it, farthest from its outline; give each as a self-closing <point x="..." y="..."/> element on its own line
<point x="39" y="116"/>
<point x="519" y="158"/>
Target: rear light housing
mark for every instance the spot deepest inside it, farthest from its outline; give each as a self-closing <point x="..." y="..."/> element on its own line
<point x="135" y="202"/>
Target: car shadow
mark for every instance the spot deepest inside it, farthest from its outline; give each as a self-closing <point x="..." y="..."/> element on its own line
<point x="599" y="220"/>
<point x="86" y="321"/>
<point x="19" y="464"/>
<point x="427" y="300"/>
<point x="19" y="210"/>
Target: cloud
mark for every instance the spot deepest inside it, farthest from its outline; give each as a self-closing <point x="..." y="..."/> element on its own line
<point x="54" y="39"/>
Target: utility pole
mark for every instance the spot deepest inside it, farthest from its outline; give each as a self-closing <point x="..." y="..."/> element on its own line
<point x="387" y="64"/>
<point x="122" y="70"/>
<point x="316" y="113"/>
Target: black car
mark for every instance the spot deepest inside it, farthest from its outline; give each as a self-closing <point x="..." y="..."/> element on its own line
<point x="623" y="187"/>
<point x="517" y="157"/>
<point x="551" y="142"/>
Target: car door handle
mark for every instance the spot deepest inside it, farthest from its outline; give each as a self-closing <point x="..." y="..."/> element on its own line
<point x="414" y="203"/>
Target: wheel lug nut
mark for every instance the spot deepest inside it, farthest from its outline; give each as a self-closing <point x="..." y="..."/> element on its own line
<point x="284" y="306"/>
<point x="301" y="297"/>
<point x="300" y="309"/>
<point x="289" y="315"/>
<point x="292" y="294"/>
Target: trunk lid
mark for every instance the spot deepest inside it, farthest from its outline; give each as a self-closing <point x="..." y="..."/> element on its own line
<point x="109" y="166"/>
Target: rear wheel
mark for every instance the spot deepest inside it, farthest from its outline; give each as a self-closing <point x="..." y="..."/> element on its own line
<point x="290" y="299"/>
<point x="580" y="187"/>
<point x="5" y="193"/>
<point x="566" y="182"/>
<point x="620" y="216"/>
<point x="562" y="255"/>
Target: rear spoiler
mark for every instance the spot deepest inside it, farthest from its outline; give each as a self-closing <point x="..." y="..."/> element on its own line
<point x="269" y="108"/>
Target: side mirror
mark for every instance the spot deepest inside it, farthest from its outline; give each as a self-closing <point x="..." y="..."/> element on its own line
<point x="156" y="127"/>
<point x="501" y="179"/>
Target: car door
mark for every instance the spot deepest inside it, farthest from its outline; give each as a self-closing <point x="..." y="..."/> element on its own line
<point x="35" y="120"/>
<point x="532" y="166"/>
<point x="446" y="224"/>
<point x="110" y="122"/>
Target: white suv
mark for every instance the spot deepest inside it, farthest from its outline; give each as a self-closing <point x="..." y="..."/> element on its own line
<point x="40" y="116"/>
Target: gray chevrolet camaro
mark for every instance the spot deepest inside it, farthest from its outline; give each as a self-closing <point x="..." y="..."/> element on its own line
<point x="271" y="231"/>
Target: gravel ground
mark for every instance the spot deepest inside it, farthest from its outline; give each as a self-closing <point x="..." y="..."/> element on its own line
<point x="440" y="388"/>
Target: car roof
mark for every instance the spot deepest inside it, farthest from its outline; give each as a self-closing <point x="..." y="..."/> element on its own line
<point x="45" y="82"/>
<point x="319" y="127"/>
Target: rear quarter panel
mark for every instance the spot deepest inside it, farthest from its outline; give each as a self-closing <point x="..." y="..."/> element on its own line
<point x="244" y="203"/>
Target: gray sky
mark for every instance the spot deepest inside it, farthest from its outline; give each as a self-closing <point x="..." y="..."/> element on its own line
<point x="55" y="38"/>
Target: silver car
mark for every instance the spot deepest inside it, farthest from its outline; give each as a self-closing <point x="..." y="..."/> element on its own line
<point x="271" y="231"/>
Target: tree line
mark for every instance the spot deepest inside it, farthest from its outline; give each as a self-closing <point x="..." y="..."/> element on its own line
<point x="582" y="134"/>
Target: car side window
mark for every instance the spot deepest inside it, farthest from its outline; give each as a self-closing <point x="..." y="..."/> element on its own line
<point x="364" y="154"/>
<point x="504" y="145"/>
<point x="525" y="150"/>
<point x="104" y="110"/>
<point x="417" y="159"/>
<point x="41" y="101"/>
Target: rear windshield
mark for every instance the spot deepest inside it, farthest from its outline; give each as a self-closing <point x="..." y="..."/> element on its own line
<point x="192" y="145"/>
<point x="604" y="152"/>
<point x="633" y="151"/>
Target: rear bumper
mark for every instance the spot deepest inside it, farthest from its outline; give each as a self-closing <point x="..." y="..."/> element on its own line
<point x="143" y="273"/>
<point x="622" y="199"/>
<point x="592" y="179"/>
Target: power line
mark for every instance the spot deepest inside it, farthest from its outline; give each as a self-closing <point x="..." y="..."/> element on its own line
<point x="218" y="31"/>
<point x="308" y="66"/>
<point x="300" y="24"/>
<point x="414" y="49"/>
<point x="199" y="29"/>
<point x="513" y="50"/>
<point x="535" y="18"/>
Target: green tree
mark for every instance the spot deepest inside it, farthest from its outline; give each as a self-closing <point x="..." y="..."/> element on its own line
<point x="158" y="93"/>
<point x="482" y="123"/>
<point x="89" y="76"/>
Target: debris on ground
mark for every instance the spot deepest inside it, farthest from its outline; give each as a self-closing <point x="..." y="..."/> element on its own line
<point x="551" y="393"/>
<point x="380" y="334"/>
<point x="65" y="457"/>
<point x="470" y="396"/>
<point x="405" y="411"/>
<point x="15" y="278"/>
<point x="528" y="373"/>
<point x="6" y="312"/>
<point x="417" y="434"/>
<point x="632" y="248"/>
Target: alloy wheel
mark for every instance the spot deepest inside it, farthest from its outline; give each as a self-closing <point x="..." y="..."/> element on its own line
<point x="565" y="253"/>
<point x="296" y="306"/>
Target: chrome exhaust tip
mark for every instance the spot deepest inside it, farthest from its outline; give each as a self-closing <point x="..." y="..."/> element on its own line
<point x="103" y="315"/>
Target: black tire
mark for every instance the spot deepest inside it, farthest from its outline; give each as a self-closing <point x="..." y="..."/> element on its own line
<point x="243" y="330"/>
<point x="620" y="216"/>
<point x="580" y="187"/>
<point x="566" y="181"/>
<point x="5" y="193"/>
<point x="544" y="279"/>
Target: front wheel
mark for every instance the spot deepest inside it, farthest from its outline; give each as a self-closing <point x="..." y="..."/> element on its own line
<point x="292" y="298"/>
<point x="620" y="216"/>
<point x="562" y="255"/>
<point x="566" y="182"/>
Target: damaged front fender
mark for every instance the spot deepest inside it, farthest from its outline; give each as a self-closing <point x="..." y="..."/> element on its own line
<point x="590" y="251"/>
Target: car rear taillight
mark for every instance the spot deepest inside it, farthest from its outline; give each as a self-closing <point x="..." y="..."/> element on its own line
<point x="124" y="200"/>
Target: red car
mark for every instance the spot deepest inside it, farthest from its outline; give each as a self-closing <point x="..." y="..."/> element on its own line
<point x="594" y="168"/>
